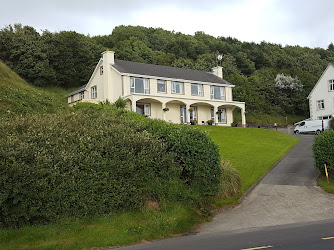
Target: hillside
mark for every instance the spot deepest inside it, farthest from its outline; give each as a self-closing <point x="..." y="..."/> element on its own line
<point x="263" y="73"/>
<point x="17" y="97"/>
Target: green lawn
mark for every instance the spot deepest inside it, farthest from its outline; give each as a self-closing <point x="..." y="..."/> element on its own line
<point x="251" y="151"/>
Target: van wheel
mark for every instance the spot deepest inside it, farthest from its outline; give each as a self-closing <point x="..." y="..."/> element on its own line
<point x="297" y="132"/>
<point x="318" y="132"/>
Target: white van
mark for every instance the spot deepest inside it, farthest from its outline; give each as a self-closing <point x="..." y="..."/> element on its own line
<point x="311" y="126"/>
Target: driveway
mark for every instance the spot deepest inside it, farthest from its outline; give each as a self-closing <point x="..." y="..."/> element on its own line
<point x="287" y="194"/>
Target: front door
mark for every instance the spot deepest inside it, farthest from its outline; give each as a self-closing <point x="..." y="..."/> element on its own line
<point x="183" y="114"/>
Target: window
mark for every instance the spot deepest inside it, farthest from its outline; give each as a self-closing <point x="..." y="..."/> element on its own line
<point x="327" y="117"/>
<point x="139" y="86"/>
<point x="193" y="114"/>
<point x="331" y="85"/>
<point x="161" y="86"/>
<point x="222" y="115"/>
<point x="177" y="87"/>
<point x="81" y="95"/>
<point x="197" y="89"/>
<point x="320" y="105"/>
<point x="72" y="98"/>
<point x="217" y="93"/>
<point x="212" y="114"/>
<point x="101" y="70"/>
<point x="94" y="92"/>
<point x="143" y="109"/>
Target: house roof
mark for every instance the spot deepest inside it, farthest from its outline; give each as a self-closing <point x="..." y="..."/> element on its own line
<point x="136" y="68"/>
<point x="82" y="88"/>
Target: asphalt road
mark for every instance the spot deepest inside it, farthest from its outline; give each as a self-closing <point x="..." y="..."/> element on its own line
<point x="286" y="210"/>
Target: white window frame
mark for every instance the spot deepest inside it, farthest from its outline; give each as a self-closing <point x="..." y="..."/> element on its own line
<point x="133" y="85"/>
<point x="161" y="82"/>
<point x="221" y="94"/>
<point x="331" y="85"/>
<point x="212" y="114"/>
<point x="181" y="87"/>
<point x="94" y="92"/>
<point x="193" y="113"/>
<point x="320" y="104"/>
<point x="147" y="108"/>
<point x="199" y="89"/>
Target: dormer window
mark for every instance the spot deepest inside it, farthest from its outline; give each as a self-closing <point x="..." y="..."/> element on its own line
<point x="139" y="86"/>
<point x="331" y="85"/>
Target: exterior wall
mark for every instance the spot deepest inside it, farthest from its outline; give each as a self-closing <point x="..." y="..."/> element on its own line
<point x="156" y="110"/>
<point x="203" y="114"/>
<point x="96" y="80"/>
<point x="321" y="92"/>
<point x="173" y="115"/>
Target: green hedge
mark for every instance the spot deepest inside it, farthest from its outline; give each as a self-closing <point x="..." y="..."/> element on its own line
<point x="99" y="160"/>
<point x="80" y="165"/>
<point x="323" y="151"/>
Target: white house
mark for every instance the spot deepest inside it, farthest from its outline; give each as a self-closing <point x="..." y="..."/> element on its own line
<point x="168" y="93"/>
<point x="321" y="98"/>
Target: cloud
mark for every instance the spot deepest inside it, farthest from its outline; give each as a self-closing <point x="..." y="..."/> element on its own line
<point x="306" y="23"/>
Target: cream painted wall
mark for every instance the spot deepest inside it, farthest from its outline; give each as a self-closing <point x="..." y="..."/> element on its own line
<point x="156" y="110"/>
<point x="173" y="115"/>
<point x="203" y="114"/>
<point x="321" y="92"/>
<point x="97" y="80"/>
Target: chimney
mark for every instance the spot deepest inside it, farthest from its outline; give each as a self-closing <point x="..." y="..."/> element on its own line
<point x="108" y="56"/>
<point x="218" y="71"/>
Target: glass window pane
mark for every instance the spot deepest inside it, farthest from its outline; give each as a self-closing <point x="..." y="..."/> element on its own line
<point x="139" y="85"/>
<point x="194" y="89"/>
<point x="161" y="86"/>
<point x="216" y="94"/>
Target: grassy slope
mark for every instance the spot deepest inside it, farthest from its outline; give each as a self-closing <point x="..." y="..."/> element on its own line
<point x="251" y="151"/>
<point x="18" y="97"/>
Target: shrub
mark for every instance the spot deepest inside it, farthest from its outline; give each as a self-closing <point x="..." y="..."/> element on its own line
<point x="323" y="151"/>
<point x="230" y="181"/>
<point x="331" y="124"/>
<point x="195" y="151"/>
<point x="76" y="165"/>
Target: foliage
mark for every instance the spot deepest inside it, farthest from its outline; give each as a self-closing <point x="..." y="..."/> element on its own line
<point x="323" y="151"/>
<point x="19" y="98"/>
<point x="82" y="164"/>
<point x="288" y="83"/>
<point x="120" y="103"/>
<point x="331" y="124"/>
<point x="230" y="183"/>
<point x="67" y="59"/>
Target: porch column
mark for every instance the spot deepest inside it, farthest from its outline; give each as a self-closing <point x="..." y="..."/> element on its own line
<point x="215" y="109"/>
<point x="134" y="105"/>
<point x="163" y="112"/>
<point x="243" y="117"/>
<point x="188" y="114"/>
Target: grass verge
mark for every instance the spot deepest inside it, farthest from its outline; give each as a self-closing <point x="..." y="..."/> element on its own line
<point x="326" y="186"/>
<point x="114" y="230"/>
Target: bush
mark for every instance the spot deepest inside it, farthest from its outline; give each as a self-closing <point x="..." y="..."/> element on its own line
<point x="323" y="151"/>
<point x="230" y="182"/>
<point x="57" y="166"/>
<point x="331" y="124"/>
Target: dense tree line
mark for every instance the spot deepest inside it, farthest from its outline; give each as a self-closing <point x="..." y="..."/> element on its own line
<point x="67" y="59"/>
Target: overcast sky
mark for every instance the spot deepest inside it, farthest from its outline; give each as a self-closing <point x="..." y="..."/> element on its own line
<point x="287" y="22"/>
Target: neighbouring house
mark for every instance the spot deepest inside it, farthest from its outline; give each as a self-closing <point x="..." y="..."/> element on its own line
<point x="172" y="94"/>
<point x="321" y="98"/>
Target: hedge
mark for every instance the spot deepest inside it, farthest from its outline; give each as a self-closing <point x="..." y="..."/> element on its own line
<point x="323" y="151"/>
<point x="99" y="160"/>
<point x="57" y="166"/>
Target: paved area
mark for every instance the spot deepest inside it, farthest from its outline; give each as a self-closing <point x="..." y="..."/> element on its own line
<point x="287" y="194"/>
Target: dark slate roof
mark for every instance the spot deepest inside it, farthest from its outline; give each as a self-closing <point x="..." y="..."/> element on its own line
<point x="167" y="72"/>
<point x="82" y="88"/>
